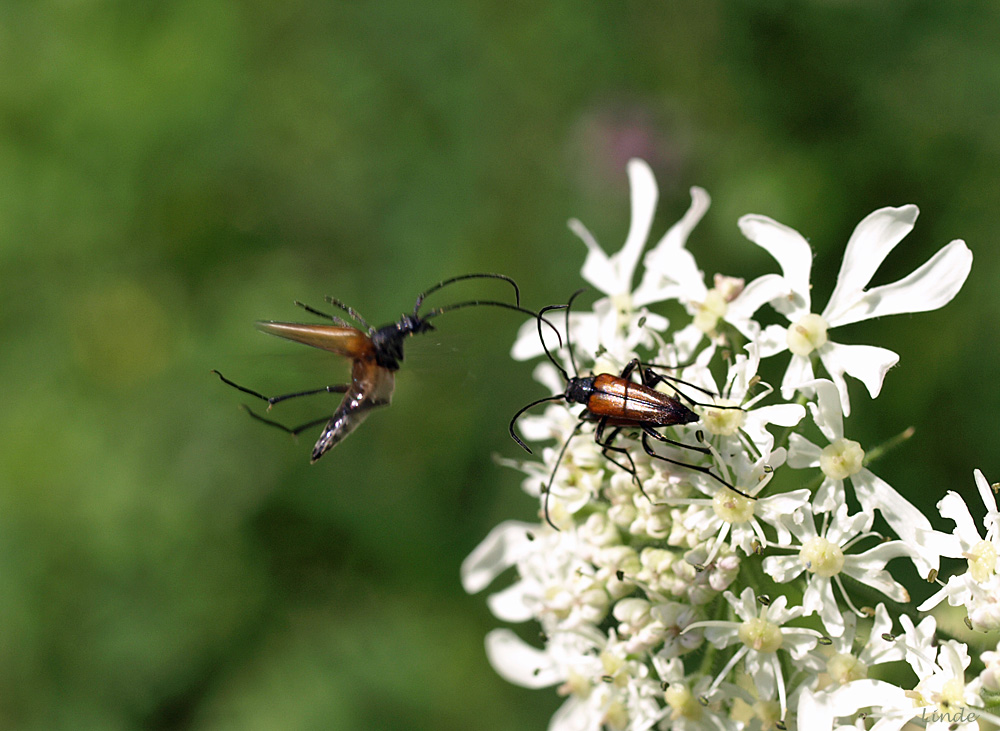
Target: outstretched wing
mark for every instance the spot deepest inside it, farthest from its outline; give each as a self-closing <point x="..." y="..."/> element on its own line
<point x="346" y="341"/>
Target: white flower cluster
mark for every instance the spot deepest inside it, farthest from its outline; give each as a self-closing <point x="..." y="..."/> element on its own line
<point x="668" y="600"/>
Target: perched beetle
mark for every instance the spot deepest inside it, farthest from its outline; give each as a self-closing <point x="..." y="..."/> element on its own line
<point x="621" y="403"/>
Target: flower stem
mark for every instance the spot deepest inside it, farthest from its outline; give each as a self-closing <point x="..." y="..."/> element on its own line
<point x="876" y="453"/>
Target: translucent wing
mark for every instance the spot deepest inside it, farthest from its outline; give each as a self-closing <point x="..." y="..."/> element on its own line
<point x="346" y="341"/>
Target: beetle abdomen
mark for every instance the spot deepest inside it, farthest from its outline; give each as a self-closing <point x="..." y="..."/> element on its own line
<point x="625" y="402"/>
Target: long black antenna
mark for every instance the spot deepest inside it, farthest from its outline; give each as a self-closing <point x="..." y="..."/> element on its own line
<point x="555" y="362"/>
<point x="493" y="303"/>
<point x="421" y="297"/>
<point x="510" y="428"/>
<point x="552" y="477"/>
<point x="569" y="342"/>
<point x="541" y="338"/>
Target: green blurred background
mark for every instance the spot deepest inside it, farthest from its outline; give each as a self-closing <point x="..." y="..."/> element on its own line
<point x="172" y="172"/>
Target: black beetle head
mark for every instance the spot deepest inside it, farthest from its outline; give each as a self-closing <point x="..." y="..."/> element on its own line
<point x="388" y="340"/>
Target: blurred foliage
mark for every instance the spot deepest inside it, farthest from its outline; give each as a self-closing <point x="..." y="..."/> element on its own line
<point x="172" y="171"/>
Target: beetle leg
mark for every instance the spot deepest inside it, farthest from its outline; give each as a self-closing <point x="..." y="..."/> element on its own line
<point x="629" y="369"/>
<point x="272" y="400"/>
<point x="652" y="379"/>
<point x="660" y="438"/>
<point x="314" y="311"/>
<point x="294" y="432"/>
<point x="350" y="311"/>
<point x="675" y="367"/>
<point x="698" y="468"/>
<point x="606" y="447"/>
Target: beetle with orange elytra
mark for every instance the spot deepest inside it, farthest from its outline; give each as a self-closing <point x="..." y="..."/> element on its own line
<point x="621" y="403"/>
<point x="375" y="355"/>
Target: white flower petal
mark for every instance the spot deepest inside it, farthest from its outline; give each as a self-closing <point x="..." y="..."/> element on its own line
<point x="547" y="375"/>
<point x="509" y="605"/>
<point x="906" y="520"/>
<point x="953" y="507"/>
<point x="670" y="269"/>
<point x="783" y="568"/>
<point x="882" y="581"/>
<point x="597" y="268"/>
<point x="755" y="294"/>
<point x="746" y="605"/>
<point x="933" y="600"/>
<point x="527" y="345"/>
<point x="928" y="288"/>
<point x="845" y="526"/>
<point x="576" y="714"/>
<point x="519" y="663"/>
<point x="830" y="495"/>
<point x="772" y="340"/>
<point x="798" y="640"/>
<point x="790" y="250"/>
<point x="498" y="551"/>
<point x="743" y="374"/>
<point x="826" y="410"/>
<point x="823" y="707"/>
<point x="676" y="238"/>
<point x="880" y="650"/>
<point x="644" y="194"/>
<point x="613" y="275"/>
<point x="682" y="346"/>
<point x="590" y="328"/>
<point x="802" y="453"/>
<point x="781" y="414"/>
<point x="878" y="556"/>
<point x="869" y="569"/>
<point x="819" y="599"/>
<point x="940" y="544"/>
<point x="872" y="240"/>
<point x="867" y="363"/>
<point x="755" y="427"/>
<point x="647" y="293"/>
<point x="992" y="519"/>
<point x="799" y="371"/>
<point x="784" y="503"/>
<point x="534" y="428"/>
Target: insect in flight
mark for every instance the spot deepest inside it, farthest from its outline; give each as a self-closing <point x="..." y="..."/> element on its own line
<point x="621" y="403"/>
<point x="375" y="355"/>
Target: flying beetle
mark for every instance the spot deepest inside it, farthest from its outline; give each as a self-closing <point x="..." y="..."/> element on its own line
<point x="375" y="355"/>
<point x="621" y="403"/>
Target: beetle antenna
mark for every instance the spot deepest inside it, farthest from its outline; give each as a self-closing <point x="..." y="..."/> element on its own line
<point x="510" y="428"/>
<point x="421" y="297"/>
<point x="569" y="342"/>
<point x="552" y="477"/>
<point x="493" y="303"/>
<point x="541" y="338"/>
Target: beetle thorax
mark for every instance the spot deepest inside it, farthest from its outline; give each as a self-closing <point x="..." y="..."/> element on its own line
<point x="579" y="390"/>
<point x="388" y="339"/>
